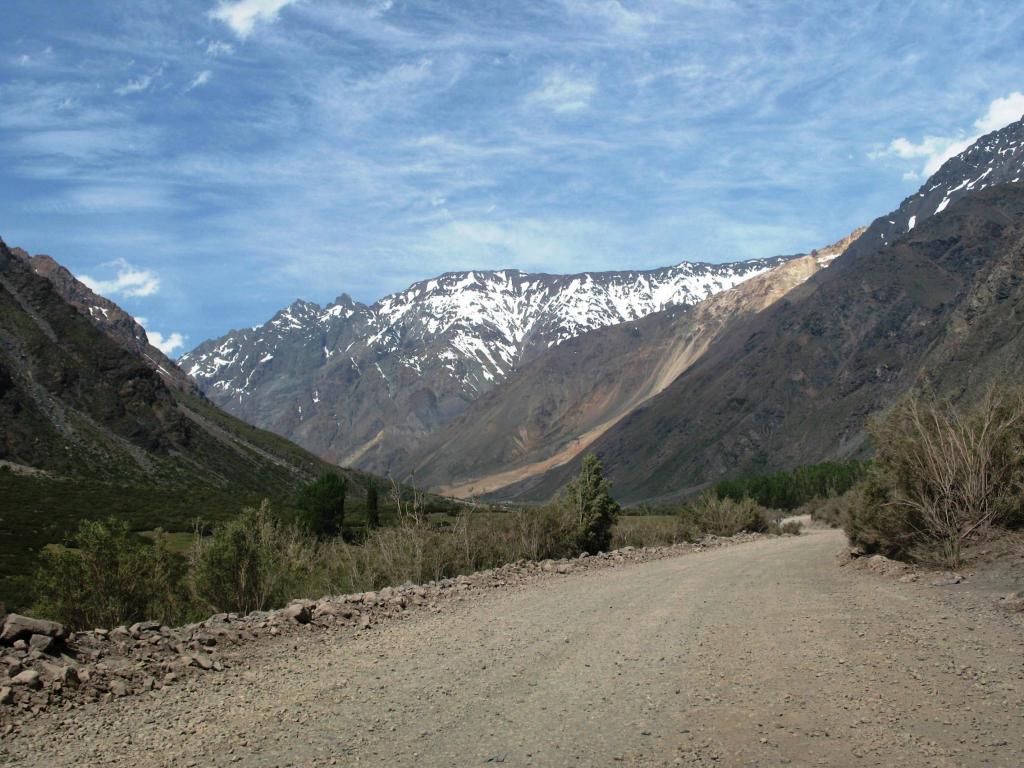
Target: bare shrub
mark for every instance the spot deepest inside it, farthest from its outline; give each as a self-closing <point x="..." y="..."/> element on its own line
<point x="727" y="517"/>
<point x="942" y="475"/>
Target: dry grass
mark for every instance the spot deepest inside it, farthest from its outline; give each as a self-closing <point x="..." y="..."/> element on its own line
<point x="651" y="531"/>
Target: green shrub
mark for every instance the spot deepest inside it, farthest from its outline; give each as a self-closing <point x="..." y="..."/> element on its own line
<point x="323" y="504"/>
<point x="830" y="511"/>
<point x="651" y="530"/>
<point x="110" y="577"/>
<point x="790" y="528"/>
<point x="254" y="562"/>
<point x="372" y="507"/>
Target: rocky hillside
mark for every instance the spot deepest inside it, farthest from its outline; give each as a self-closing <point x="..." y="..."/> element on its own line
<point x="996" y="158"/>
<point x="940" y="306"/>
<point x="554" y="407"/>
<point x="89" y="427"/>
<point x="108" y="317"/>
<point x="362" y="384"/>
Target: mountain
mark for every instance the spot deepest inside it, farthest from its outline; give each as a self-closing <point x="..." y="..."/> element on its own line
<point x="363" y="385"/>
<point x="108" y="317"/>
<point x="90" y="426"/>
<point x="550" y="410"/>
<point x="940" y="304"/>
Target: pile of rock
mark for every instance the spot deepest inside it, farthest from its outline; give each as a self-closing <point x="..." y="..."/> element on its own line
<point x="48" y="667"/>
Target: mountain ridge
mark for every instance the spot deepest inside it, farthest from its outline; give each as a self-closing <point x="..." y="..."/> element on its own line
<point x="362" y="384"/>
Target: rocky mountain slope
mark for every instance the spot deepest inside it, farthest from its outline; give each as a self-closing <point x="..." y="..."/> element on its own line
<point x="88" y="427"/>
<point x="108" y="317"/>
<point x="996" y="158"/>
<point x="942" y="305"/>
<point x="362" y="384"/>
<point x="551" y="409"/>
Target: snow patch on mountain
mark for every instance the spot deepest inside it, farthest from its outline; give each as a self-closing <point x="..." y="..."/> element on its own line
<point x="477" y="326"/>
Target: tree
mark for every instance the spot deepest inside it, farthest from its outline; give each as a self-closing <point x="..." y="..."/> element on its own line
<point x="372" y="509"/>
<point x="323" y="504"/>
<point x="588" y="496"/>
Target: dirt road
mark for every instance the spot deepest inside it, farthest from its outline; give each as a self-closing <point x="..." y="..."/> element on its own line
<point x="762" y="654"/>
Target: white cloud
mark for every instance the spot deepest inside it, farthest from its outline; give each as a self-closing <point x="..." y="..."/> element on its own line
<point x="218" y="48"/>
<point x="135" y="85"/>
<point x="166" y="344"/>
<point x="561" y="92"/>
<point x="242" y="15"/>
<point x="935" y="150"/>
<point x="199" y="80"/>
<point x="130" y="282"/>
<point x="1001" y="112"/>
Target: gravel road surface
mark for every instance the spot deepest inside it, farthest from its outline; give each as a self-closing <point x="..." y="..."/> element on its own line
<point x="761" y="654"/>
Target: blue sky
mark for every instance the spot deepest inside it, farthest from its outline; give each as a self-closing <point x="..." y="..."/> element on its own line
<point x="205" y="162"/>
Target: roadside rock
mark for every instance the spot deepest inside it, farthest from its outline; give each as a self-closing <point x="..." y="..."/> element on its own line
<point x="298" y="612"/>
<point x="17" y="627"/>
<point x="28" y="678"/>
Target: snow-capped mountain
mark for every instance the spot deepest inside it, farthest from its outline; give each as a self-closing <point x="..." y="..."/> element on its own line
<point x="357" y="383"/>
<point x="996" y="158"/>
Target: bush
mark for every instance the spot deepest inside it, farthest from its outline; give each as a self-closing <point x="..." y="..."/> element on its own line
<point x="727" y="517"/>
<point x="790" y="528"/>
<point x="831" y="511"/>
<point x="943" y="474"/>
<point x="110" y="577"/>
<point x="323" y="504"/>
<point x="254" y="562"/>
<point x="372" y="507"/>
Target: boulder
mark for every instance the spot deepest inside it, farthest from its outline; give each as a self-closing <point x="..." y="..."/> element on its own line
<point x="200" y="660"/>
<point x="41" y="643"/>
<point x="29" y="678"/>
<point x="6" y="695"/>
<point x="17" y="627"/>
<point x="297" y="612"/>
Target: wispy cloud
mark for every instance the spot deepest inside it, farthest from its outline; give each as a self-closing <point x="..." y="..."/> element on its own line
<point x="139" y="84"/>
<point x="166" y="344"/>
<point x="562" y="92"/>
<point x="217" y="48"/>
<point x="129" y="282"/>
<point x="199" y="80"/>
<point x="935" y="150"/>
<point x="242" y="15"/>
<point x="375" y="142"/>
